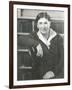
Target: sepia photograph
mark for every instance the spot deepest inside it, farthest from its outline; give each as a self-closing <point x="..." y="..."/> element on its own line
<point x="39" y="44"/>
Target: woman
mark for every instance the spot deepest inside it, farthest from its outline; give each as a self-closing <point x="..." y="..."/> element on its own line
<point x="46" y="49"/>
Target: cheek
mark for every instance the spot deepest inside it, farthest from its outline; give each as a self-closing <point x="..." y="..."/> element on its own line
<point x="39" y="26"/>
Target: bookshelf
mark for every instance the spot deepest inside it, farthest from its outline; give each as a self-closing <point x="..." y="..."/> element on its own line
<point x="24" y="65"/>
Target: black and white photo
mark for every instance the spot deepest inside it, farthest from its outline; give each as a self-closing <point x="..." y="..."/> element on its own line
<point x="40" y="50"/>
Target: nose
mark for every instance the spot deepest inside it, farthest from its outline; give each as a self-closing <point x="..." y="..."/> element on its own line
<point x="43" y="25"/>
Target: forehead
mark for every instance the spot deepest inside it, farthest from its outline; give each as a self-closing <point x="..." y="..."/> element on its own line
<point x="43" y="20"/>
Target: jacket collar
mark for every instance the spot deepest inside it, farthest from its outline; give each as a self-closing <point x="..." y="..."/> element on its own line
<point x="44" y="40"/>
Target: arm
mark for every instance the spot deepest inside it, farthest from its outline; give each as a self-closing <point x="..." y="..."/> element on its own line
<point x="28" y="41"/>
<point x="59" y="68"/>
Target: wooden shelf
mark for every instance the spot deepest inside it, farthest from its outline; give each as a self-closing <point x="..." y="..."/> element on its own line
<point x="23" y="50"/>
<point x="20" y="33"/>
<point x="25" y="67"/>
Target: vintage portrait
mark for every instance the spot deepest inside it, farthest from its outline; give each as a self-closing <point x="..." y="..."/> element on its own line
<point x="40" y="44"/>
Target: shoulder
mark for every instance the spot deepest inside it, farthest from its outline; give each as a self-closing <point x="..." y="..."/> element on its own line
<point x="60" y="39"/>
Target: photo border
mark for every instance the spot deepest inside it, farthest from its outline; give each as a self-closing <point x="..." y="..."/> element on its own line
<point x="11" y="4"/>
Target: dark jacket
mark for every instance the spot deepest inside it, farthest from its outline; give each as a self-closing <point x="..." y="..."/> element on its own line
<point x="52" y="60"/>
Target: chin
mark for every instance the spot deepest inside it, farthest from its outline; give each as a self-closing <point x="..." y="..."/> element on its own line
<point x="44" y="32"/>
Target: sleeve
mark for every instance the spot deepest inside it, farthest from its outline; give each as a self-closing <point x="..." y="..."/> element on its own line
<point x="27" y="41"/>
<point x="30" y="42"/>
<point x="59" y="69"/>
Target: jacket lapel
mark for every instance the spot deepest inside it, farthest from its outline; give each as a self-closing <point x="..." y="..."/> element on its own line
<point x="51" y="36"/>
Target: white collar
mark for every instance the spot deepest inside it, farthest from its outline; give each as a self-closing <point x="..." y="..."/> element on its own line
<point x="44" y="40"/>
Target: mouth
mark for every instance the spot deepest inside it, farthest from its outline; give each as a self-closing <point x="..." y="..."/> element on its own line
<point x="44" y="29"/>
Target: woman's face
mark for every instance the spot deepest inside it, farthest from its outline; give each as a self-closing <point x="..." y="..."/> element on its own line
<point x="43" y="25"/>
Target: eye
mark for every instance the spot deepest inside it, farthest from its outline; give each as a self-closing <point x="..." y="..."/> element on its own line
<point x="40" y="22"/>
<point x="45" y="22"/>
